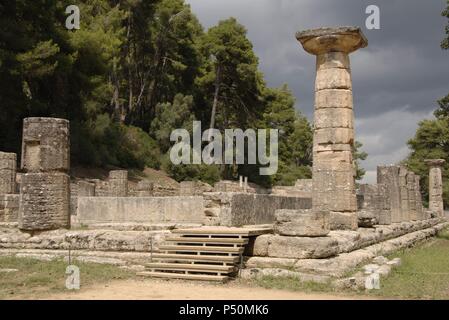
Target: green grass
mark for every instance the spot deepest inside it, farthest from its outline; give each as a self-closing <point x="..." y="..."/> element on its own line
<point x="38" y="277"/>
<point x="423" y="274"/>
<point x="290" y="284"/>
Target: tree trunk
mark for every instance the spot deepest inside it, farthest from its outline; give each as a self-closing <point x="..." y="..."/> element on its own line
<point x="217" y="92"/>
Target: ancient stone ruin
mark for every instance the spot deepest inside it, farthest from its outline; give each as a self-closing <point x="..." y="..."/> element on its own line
<point x="45" y="184"/>
<point x="316" y="230"/>
<point x="333" y="169"/>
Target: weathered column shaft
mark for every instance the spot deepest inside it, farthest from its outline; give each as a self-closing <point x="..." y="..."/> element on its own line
<point x="436" y="186"/>
<point x="418" y="199"/>
<point x="333" y="168"/>
<point x="45" y="187"/>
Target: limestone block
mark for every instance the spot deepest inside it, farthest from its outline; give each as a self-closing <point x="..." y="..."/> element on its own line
<point x="302" y="247"/>
<point x="367" y="219"/>
<point x="403" y="188"/>
<point x="343" y="220"/>
<point x="118" y="183"/>
<point x="334" y="78"/>
<point x="333" y="98"/>
<point x="334" y="118"/>
<point x="330" y="60"/>
<point x="333" y="136"/>
<point x="389" y="176"/>
<point x="418" y="199"/>
<point x="9" y="207"/>
<point x="145" y="188"/>
<point x="45" y="145"/>
<point x="86" y="189"/>
<point x="302" y="223"/>
<point x="44" y="201"/>
<point x="8" y="172"/>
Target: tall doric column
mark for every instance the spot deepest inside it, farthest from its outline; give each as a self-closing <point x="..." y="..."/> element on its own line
<point x="333" y="168"/>
<point x="436" y="186"/>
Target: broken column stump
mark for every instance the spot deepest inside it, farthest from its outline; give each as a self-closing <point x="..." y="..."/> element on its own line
<point x="45" y="186"/>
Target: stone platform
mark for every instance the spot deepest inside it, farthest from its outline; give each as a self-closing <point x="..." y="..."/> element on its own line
<point x="340" y="252"/>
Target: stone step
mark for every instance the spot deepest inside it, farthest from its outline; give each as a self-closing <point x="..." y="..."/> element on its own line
<point x="207" y="240"/>
<point x="194" y="258"/>
<point x="209" y="268"/>
<point x="199" y="249"/>
<point x="200" y="277"/>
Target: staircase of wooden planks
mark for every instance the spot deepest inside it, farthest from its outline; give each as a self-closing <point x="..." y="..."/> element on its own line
<point x="210" y="254"/>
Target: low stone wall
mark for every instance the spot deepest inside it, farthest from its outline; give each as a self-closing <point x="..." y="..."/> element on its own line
<point x="239" y="209"/>
<point x="336" y="242"/>
<point x="321" y="270"/>
<point x="9" y="207"/>
<point x="92" y="240"/>
<point x="139" y="209"/>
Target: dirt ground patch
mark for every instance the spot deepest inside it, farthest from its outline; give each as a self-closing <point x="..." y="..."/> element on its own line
<point x="149" y="289"/>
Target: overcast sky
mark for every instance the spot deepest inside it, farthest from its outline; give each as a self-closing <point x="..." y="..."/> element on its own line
<point x="396" y="80"/>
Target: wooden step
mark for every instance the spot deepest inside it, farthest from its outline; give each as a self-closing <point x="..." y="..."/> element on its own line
<point x="224" y="231"/>
<point x="195" y="258"/>
<point x="207" y="240"/>
<point x="191" y="267"/>
<point x="203" y="277"/>
<point x="176" y="248"/>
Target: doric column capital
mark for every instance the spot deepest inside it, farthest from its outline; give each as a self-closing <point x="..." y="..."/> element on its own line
<point x="338" y="39"/>
<point x="435" y="162"/>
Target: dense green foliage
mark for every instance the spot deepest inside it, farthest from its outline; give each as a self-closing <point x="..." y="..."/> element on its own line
<point x="431" y="140"/>
<point x="132" y="73"/>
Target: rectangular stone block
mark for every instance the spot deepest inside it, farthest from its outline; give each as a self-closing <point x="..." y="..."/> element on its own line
<point x="333" y="98"/>
<point x="301" y="223"/>
<point x="118" y="183"/>
<point x="140" y="209"/>
<point x="333" y="136"/>
<point x="44" y="201"/>
<point x="334" y="118"/>
<point x="334" y="78"/>
<point x="343" y="220"/>
<point x="8" y="162"/>
<point x="45" y="145"/>
<point x="389" y="176"/>
<point x="418" y="199"/>
<point x="403" y="188"/>
<point x="145" y="189"/>
<point x="9" y="207"/>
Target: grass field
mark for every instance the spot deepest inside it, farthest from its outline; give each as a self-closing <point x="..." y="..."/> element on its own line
<point x="36" y="277"/>
<point x="424" y="272"/>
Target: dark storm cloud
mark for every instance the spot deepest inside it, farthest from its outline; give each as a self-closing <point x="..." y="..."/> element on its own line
<point x="396" y="80"/>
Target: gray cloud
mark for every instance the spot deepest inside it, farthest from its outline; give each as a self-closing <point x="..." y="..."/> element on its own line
<point x="396" y="80"/>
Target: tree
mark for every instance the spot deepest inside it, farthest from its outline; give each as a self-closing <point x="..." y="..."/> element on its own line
<point x="359" y="155"/>
<point x="171" y="116"/>
<point x="230" y="78"/>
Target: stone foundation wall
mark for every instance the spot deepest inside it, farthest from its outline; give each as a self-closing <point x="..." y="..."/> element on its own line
<point x="238" y="209"/>
<point x="9" y="207"/>
<point x="8" y="163"/>
<point x="140" y="209"/>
